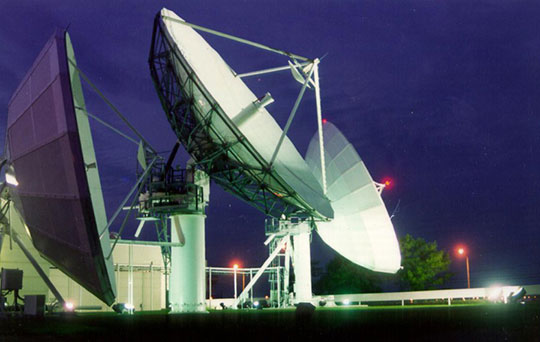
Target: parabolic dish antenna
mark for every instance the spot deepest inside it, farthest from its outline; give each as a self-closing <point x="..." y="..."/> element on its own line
<point x="361" y="230"/>
<point x="226" y="128"/>
<point x="51" y="150"/>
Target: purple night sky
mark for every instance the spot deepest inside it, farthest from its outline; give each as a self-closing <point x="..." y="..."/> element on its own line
<point x="443" y="97"/>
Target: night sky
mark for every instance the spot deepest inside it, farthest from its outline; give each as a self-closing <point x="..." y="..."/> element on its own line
<point x="441" y="96"/>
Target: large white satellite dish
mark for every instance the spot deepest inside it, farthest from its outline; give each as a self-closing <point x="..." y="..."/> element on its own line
<point x="361" y="230"/>
<point x="226" y="128"/>
<point x="233" y="138"/>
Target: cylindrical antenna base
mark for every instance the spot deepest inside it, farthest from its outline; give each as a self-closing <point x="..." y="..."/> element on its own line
<point x="302" y="267"/>
<point x="187" y="280"/>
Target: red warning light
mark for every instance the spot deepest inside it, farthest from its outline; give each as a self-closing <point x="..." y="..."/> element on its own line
<point x="324" y="121"/>
<point x="388" y="183"/>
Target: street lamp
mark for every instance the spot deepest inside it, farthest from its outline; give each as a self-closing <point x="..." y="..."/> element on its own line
<point x="235" y="268"/>
<point x="461" y="252"/>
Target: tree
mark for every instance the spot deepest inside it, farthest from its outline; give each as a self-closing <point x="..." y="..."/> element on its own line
<point x="343" y="277"/>
<point x="424" y="266"/>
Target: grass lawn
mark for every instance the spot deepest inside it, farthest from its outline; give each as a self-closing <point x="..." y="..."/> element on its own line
<point x="491" y="322"/>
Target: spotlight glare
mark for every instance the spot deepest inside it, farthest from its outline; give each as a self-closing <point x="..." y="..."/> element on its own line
<point x="495" y="293"/>
<point x="11" y="180"/>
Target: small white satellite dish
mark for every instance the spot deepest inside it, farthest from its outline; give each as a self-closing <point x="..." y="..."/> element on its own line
<point x="361" y="230"/>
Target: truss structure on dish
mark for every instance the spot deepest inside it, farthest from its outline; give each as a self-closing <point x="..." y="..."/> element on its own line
<point x="219" y="136"/>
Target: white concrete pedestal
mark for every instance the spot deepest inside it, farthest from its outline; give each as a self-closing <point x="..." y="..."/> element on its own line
<point x="302" y="267"/>
<point x="187" y="279"/>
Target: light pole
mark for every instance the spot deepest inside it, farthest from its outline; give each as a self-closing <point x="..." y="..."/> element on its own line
<point x="461" y="252"/>
<point x="235" y="267"/>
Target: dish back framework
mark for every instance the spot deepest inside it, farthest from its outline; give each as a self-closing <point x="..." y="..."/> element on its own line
<point x="227" y="130"/>
<point x="51" y="150"/>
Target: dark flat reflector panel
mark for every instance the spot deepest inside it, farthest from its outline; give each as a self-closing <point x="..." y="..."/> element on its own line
<point x="51" y="150"/>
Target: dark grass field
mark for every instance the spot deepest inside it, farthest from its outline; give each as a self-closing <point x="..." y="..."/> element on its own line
<point x="490" y="322"/>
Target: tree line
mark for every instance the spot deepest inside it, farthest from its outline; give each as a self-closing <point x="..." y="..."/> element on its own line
<point x="424" y="267"/>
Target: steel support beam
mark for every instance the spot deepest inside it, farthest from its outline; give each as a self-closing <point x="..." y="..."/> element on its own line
<point x="260" y="272"/>
<point x="38" y="268"/>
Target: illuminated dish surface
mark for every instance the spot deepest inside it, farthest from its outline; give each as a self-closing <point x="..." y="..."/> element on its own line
<point x="225" y="129"/>
<point x="361" y="230"/>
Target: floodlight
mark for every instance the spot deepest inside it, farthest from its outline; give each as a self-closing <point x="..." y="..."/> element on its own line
<point x="69" y="306"/>
<point x="495" y="293"/>
<point x="11" y="180"/>
<point x="517" y="295"/>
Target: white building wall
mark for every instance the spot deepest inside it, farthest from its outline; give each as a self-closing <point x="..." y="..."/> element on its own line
<point x="148" y="274"/>
<point x="148" y="280"/>
<point x="11" y="256"/>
